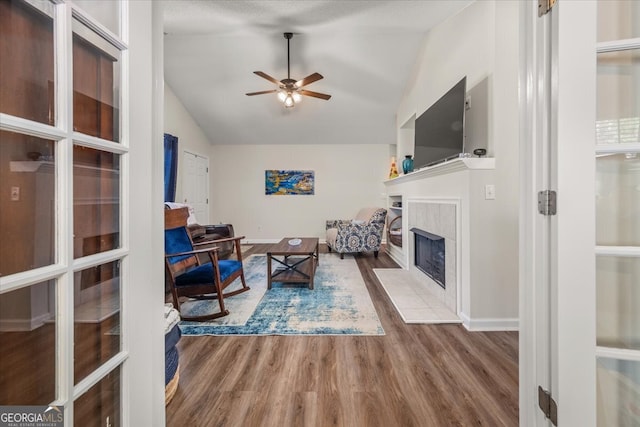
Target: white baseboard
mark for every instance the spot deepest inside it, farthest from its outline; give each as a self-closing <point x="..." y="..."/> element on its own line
<point x="258" y="241"/>
<point x="487" y="325"/>
<point x="23" y="325"/>
<point x="397" y="258"/>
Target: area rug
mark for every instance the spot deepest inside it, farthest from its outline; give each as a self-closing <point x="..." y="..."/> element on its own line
<point x="339" y="304"/>
<point x="241" y="306"/>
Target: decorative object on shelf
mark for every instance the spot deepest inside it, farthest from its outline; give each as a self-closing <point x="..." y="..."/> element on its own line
<point x="34" y="155"/>
<point x="479" y="152"/>
<point x="407" y="165"/>
<point x="393" y="171"/>
<point x="396" y="204"/>
<point x="285" y="182"/>
<point x="394" y="231"/>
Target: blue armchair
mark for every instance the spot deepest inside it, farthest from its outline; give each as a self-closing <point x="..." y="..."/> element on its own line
<point x="360" y="234"/>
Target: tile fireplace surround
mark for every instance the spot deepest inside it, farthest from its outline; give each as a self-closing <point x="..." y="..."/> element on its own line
<point x="482" y="232"/>
<point x="437" y="218"/>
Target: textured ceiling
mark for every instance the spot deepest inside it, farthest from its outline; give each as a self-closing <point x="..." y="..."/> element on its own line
<point x="364" y="49"/>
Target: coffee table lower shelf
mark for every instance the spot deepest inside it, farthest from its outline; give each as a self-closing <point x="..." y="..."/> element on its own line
<point x="303" y="272"/>
<point x="295" y="264"/>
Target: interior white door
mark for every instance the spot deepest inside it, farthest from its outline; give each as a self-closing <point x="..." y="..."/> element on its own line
<point x="195" y="184"/>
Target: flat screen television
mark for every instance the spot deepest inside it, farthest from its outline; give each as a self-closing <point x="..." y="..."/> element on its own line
<point x="439" y="131"/>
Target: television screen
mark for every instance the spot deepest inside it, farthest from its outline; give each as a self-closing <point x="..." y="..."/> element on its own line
<point x="439" y="131"/>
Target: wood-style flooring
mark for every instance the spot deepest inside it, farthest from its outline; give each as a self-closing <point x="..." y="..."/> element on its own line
<point x="415" y="375"/>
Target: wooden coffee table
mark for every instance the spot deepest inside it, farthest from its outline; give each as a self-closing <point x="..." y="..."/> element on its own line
<point x="297" y="263"/>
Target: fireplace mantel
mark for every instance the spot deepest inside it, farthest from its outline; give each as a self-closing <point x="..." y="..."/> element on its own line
<point x="455" y="165"/>
<point x="470" y="184"/>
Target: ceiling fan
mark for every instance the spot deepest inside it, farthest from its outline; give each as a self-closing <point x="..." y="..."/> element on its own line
<point x="289" y="91"/>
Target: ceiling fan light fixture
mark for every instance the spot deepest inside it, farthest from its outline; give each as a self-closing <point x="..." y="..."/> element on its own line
<point x="290" y="91"/>
<point x="288" y="101"/>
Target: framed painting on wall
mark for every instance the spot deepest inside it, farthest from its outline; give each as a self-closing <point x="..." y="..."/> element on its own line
<point x="288" y="182"/>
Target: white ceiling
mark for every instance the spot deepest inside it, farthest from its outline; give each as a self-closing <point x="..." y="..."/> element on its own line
<point x="364" y="49"/>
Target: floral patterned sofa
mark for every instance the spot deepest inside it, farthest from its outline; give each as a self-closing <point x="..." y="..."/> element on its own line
<point x="360" y="234"/>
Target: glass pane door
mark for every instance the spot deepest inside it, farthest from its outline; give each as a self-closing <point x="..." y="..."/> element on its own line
<point x="61" y="215"/>
<point x="618" y="214"/>
<point x="27" y="81"/>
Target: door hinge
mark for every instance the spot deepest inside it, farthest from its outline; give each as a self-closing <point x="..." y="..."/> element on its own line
<point x="547" y="202"/>
<point x="544" y="6"/>
<point x="548" y="405"/>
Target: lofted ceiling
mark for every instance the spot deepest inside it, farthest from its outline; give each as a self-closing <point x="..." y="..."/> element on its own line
<point x="364" y="49"/>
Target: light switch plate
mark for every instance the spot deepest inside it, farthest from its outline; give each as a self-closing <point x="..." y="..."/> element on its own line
<point x="489" y="192"/>
<point x="15" y="194"/>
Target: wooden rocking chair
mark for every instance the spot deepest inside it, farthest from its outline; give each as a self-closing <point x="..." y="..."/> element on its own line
<point x="190" y="278"/>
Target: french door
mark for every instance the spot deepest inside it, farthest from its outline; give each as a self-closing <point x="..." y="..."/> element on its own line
<point x="63" y="248"/>
<point x="617" y="203"/>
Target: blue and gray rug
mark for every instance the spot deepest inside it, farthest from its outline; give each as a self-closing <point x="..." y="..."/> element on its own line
<point x="339" y="304"/>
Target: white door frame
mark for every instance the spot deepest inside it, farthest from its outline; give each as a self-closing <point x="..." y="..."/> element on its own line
<point x="533" y="274"/>
<point x="557" y="267"/>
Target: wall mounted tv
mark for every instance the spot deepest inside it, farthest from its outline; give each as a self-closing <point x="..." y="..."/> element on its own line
<point x="439" y="131"/>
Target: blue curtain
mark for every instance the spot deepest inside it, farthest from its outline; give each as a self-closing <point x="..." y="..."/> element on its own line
<point x="170" y="167"/>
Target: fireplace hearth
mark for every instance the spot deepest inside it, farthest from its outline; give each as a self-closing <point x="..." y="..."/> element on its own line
<point x="429" y="255"/>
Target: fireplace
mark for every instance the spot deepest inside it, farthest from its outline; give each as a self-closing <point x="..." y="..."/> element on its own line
<point x="429" y="255"/>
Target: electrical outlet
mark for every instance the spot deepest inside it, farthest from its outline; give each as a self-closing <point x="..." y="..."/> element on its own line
<point x="489" y="192"/>
<point x="15" y="194"/>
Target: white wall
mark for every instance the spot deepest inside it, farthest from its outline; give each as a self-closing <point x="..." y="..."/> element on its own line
<point x="347" y="178"/>
<point x="144" y="268"/>
<point x="178" y="122"/>
<point x="504" y="131"/>
<point x="480" y="42"/>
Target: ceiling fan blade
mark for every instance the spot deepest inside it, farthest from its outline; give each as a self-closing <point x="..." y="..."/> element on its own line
<point x="314" y="94"/>
<point x="268" y="77"/>
<point x="261" y="92"/>
<point x="309" y="79"/>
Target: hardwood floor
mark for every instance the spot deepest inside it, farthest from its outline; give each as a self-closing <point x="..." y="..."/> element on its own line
<point x="415" y="375"/>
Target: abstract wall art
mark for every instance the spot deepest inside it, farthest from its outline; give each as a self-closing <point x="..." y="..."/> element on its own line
<point x="288" y="182"/>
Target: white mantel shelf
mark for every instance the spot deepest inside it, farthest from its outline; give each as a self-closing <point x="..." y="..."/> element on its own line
<point x="29" y="166"/>
<point x="34" y="166"/>
<point x="455" y="165"/>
